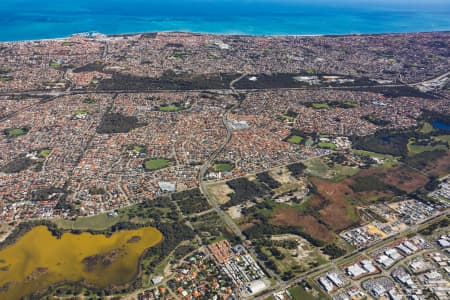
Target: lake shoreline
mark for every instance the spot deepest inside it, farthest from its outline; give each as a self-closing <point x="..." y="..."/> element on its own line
<point x="115" y="240"/>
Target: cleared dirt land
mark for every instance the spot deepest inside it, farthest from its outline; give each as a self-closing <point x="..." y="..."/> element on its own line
<point x="338" y="213"/>
<point x="291" y="217"/>
<point x="220" y="191"/>
<point x="440" y="167"/>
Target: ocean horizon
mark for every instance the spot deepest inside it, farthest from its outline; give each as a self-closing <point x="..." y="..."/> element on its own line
<point x="40" y="19"/>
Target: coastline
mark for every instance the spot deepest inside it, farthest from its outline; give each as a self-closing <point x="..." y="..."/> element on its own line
<point x="112" y="35"/>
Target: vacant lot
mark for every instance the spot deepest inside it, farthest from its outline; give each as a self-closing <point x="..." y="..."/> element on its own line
<point x="441" y="166"/>
<point x="287" y="182"/>
<point x="339" y="214"/>
<point x="405" y="178"/>
<point x="432" y="163"/>
<point x="219" y="191"/>
<point x="401" y="177"/>
<point x="191" y="201"/>
<point x="318" y="168"/>
<point x="289" y="255"/>
<point x="282" y="175"/>
<point x="98" y="222"/>
<point x="210" y="228"/>
<point x="299" y="293"/>
<point x="309" y="224"/>
<point x="384" y="160"/>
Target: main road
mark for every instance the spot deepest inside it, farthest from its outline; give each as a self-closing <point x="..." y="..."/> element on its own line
<point x="70" y="91"/>
<point x="204" y="168"/>
<point x="212" y="158"/>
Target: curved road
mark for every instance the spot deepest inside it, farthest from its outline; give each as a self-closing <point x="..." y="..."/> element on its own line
<point x="201" y="177"/>
<point x="212" y="158"/>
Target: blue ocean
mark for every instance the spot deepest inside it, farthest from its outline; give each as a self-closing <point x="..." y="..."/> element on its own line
<point x="41" y="19"/>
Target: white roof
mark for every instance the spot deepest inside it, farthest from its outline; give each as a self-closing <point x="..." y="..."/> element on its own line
<point x="256" y="286"/>
<point x="355" y="270"/>
<point x="444" y="243"/>
<point x="335" y="279"/>
<point x="327" y="285"/>
<point x="167" y="186"/>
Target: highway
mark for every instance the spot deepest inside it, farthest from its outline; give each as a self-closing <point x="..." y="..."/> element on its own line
<point x="212" y="158"/>
<point x="70" y="91"/>
<point x="202" y="184"/>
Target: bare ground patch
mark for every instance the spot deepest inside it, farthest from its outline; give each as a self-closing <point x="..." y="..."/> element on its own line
<point x="220" y="191"/>
<point x="310" y="225"/>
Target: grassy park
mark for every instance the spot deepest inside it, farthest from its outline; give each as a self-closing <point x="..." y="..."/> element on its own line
<point x="320" y="106"/>
<point x="171" y="108"/>
<point x="15" y="132"/>
<point x="81" y="113"/>
<point x="327" y="145"/>
<point x="44" y="153"/>
<point x="299" y="293"/>
<point x="156" y="164"/>
<point x="223" y="167"/>
<point x="295" y="139"/>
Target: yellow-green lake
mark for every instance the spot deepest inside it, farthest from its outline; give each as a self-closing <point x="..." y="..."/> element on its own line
<point x="38" y="259"/>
